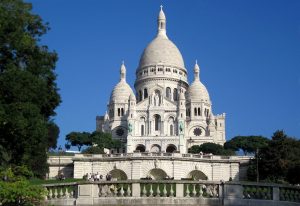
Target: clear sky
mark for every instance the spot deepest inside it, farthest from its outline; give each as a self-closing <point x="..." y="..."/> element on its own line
<point x="248" y="52"/>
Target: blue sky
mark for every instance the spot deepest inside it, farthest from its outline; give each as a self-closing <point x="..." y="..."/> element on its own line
<point x="248" y="52"/>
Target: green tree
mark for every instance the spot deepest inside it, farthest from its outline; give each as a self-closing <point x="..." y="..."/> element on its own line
<point x="248" y="144"/>
<point x="280" y="159"/>
<point x="78" y="139"/>
<point x="28" y="91"/>
<point x="213" y="148"/>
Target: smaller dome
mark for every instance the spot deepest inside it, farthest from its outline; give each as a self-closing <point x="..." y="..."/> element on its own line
<point x="121" y="92"/>
<point x="198" y="92"/>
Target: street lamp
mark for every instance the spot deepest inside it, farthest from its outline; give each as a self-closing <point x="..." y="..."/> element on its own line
<point x="257" y="172"/>
<point x="59" y="153"/>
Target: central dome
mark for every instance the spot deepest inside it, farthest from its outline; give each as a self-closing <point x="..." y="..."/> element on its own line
<point x="161" y="50"/>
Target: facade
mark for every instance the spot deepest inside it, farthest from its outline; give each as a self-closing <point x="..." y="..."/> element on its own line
<point x="166" y="113"/>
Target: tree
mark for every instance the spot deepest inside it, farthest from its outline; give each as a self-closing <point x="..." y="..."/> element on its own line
<point x="79" y="139"/>
<point x="248" y="144"/>
<point x="280" y="159"/>
<point x="28" y="91"/>
<point x="213" y="148"/>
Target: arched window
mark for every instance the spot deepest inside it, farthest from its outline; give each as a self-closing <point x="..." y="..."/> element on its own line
<point x="142" y="130"/>
<point x="140" y="96"/>
<point x="195" y="111"/>
<point x="168" y="93"/>
<point x="122" y="112"/>
<point x="157" y="122"/>
<point x="145" y="93"/>
<point x="119" y="112"/>
<point x="175" y="94"/>
<point x="199" y="111"/>
<point x="171" y="130"/>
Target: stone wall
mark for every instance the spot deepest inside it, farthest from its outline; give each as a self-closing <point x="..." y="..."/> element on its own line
<point x="154" y="165"/>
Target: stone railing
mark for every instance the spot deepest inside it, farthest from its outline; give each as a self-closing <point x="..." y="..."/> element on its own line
<point x="171" y="192"/>
<point x="162" y="154"/>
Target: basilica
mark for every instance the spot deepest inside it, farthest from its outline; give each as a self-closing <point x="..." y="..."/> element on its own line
<point x="166" y="113"/>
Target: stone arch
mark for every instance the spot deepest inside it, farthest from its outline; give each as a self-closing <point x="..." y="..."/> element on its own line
<point x="118" y="174"/>
<point x="197" y="175"/>
<point x="141" y="148"/>
<point x="171" y="148"/>
<point x="155" y="148"/>
<point x="157" y="174"/>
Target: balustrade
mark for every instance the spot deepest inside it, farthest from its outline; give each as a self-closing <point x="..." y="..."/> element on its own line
<point x="212" y="191"/>
<point x="201" y="190"/>
<point x="289" y="194"/>
<point x="59" y="191"/>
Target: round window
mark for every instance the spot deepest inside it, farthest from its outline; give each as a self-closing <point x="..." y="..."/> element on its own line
<point x="197" y="131"/>
<point x="120" y="132"/>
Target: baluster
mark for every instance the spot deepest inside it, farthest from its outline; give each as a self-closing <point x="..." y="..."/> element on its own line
<point x="157" y="191"/>
<point x="61" y="194"/>
<point x="187" y="192"/>
<point x="150" y="191"/>
<point x="67" y="194"/>
<point x="46" y="194"/>
<point x="103" y="192"/>
<point x="50" y="194"/>
<point x="165" y="190"/>
<point x="171" y="191"/>
<point x="128" y="191"/>
<point x="194" y="190"/>
<point x="144" y="191"/>
<point x="109" y="194"/>
<point x="72" y="192"/>
<point x="200" y="191"/>
<point x="122" y="191"/>
<point x="55" y="193"/>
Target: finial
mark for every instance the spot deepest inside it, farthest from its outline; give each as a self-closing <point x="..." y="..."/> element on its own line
<point x="123" y="62"/>
<point x="123" y="72"/>
<point x="161" y="23"/>
<point x="197" y="71"/>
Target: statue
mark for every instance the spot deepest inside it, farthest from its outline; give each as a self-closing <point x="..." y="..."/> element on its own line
<point x="130" y="127"/>
<point x="181" y="127"/>
<point x="156" y="99"/>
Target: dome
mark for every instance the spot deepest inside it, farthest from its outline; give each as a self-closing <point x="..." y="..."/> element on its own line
<point x="198" y="92"/>
<point x="121" y="92"/>
<point x="161" y="51"/>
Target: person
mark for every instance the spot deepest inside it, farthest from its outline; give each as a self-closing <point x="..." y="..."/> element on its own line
<point x="97" y="176"/>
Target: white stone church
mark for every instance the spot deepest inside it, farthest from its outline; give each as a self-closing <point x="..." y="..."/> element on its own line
<point x="166" y="113"/>
<point x="158" y="124"/>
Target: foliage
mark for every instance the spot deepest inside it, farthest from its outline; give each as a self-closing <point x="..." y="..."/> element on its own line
<point x="98" y="140"/>
<point x="16" y="190"/>
<point x="213" y="148"/>
<point x="28" y="92"/>
<point x="279" y="161"/>
<point x="248" y="144"/>
<point x="78" y="139"/>
<point x="20" y="193"/>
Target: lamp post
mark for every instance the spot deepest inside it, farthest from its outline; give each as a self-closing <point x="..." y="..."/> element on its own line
<point x="257" y="172"/>
<point x="59" y="153"/>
